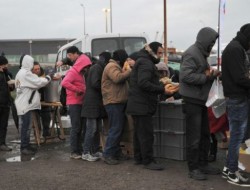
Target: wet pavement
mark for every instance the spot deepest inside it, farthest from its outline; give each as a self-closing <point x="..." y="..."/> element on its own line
<point x="51" y="168"/>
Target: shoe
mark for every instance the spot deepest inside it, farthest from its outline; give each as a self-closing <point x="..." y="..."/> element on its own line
<point x="4" y="147"/>
<point x="238" y="179"/>
<point x="89" y="157"/>
<point x="197" y="175"/>
<point x="98" y="154"/>
<point x="122" y="157"/>
<point x="211" y="158"/>
<point x="110" y="161"/>
<point x="27" y="151"/>
<point x="34" y="149"/>
<point x="153" y="166"/>
<point x="208" y="169"/>
<point x="137" y="162"/>
<point x="75" y="156"/>
<point x="225" y="172"/>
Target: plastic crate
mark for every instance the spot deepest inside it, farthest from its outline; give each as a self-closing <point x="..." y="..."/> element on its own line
<point x="171" y="110"/>
<point x="173" y="139"/>
<point x="172" y="124"/>
<point x="173" y="153"/>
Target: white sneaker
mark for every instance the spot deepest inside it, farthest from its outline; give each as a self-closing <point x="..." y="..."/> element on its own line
<point x="98" y="154"/>
<point x="89" y="157"/>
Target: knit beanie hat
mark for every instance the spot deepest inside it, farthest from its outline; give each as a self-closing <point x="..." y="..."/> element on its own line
<point x="133" y="56"/>
<point x="73" y="49"/>
<point x="154" y="46"/>
<point x="120" y="55"/>
<point x="105" y="56"/>
<point x="245" y="30"/>
<point x="3" y="60"/>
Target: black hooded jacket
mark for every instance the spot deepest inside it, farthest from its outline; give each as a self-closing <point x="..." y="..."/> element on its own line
<point x="144" y="86"/>
<point x="235" y="67"/>
<point x="194" y="84"/>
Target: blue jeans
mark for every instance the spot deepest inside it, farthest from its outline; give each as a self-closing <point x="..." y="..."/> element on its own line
<point x="116" y="116"/>
<point x="92" y="126"/>
<point x="25" y="121"/>
<point x="237" y="116"/>
<point x="76" y="128"/>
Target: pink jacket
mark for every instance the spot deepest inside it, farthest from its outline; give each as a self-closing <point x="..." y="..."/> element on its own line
<point x="74" y="81"/>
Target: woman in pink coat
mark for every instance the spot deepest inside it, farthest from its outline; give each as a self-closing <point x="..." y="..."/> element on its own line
<point x="74" y="83"/>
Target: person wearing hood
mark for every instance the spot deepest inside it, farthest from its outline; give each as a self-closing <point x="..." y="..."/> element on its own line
<point x="142" y="102"/>
<point x="5" y="103"/>
<point x="28" y="99"/>
<point x="196" y="79"/>
<point x="93" y="109"/>
<point x="74" y="83"/>
<point x="115" y="94"/>
<point x="236" y="86"/>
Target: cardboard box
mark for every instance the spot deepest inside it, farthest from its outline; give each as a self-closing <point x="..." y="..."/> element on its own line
<point x="245" y="160"/>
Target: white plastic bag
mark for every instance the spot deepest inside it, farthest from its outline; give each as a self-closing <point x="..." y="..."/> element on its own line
<point x="216" y="95"/>
<point x="219" y="110"/>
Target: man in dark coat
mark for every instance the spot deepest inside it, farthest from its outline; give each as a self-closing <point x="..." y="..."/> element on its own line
<point x="93" y="109"/>
<point x="142" y="102"/>
<point x="195" y="82"/>
<point x="236" y="86"/>
<point x="4" y="103"/>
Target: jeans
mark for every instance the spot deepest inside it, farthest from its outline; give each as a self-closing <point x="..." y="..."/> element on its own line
<point x="76" y="128"/>
<point x="237" y="113"/>
<point x="4" y="116"/>
<point x="198" y="135"/>
<point x="25" y="121"/>
<point x="143" y="139"/>
<point x="116" y="116"/>
<point x="92" y="126"/>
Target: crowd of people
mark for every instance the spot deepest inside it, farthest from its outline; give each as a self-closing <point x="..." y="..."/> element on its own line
<point x="119" y="84"/>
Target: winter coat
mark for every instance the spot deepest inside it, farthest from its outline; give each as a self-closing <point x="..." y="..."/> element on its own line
<point x="93" y="104"/>
<point x="144" y="86"/>
<point x="74" y="81"/>
<point x="235" y="68"/>
<point x="114" y="84"/>
<point x="194" y="84"/>
<point x="26" y="84"/>
<point x="4" y="91"/>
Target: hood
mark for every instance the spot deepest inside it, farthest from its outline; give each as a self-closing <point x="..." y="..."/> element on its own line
<point x="206" y="39"/>
<point x="148" y="53"/>
<point x="81" y="62"/>
<point x="27" y="62"/>
<point x="243" y="36"/>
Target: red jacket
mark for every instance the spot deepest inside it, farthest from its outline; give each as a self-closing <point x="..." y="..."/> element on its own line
<point x="74" y="81"/>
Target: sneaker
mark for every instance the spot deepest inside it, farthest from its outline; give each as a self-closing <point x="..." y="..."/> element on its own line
<point x="197" y="175"/>
<point x="225" y="172"/>
<point x="110" y="161"/>
<point x="208" y="169"/>
<point x="27" y="151"/>
<point x="238" y="179"/>
<point x="75" y="156"/>
<point x="153" y="166"/>
<point x="122" y="157"/>
<point x="98" y="154"/>
<point x="89" y="157"/>
<point x="4" y="147"/>
<point x="138" y="162"/>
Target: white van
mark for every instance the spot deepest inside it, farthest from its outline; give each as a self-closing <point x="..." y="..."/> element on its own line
<point x="94" y="45"/>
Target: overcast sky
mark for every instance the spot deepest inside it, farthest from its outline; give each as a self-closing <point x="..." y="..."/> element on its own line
<point x="29" y="19"/>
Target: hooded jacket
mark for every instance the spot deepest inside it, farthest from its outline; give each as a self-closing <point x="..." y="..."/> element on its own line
<point x="74" y="81"/>
<point x="194" y="84"/>
<point x="26" y="82"/>
<point x="235" y="66"/>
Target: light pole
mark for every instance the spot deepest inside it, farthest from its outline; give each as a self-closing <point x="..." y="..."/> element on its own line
<point x="106" y="11"/>
<point x="30" y="42"/>
<point x="165" y="31"/>
<point x="84" y="28"/>
<point x="111" y="11"/>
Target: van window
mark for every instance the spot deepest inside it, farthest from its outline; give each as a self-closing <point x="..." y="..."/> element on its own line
<point x="104" y="44"/>
<point x="64" y="53"/>
<point x="132" y="45"/>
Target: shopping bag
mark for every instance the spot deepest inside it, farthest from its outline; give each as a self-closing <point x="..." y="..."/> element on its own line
<point x="216" y="95"/>
<point x="219" y="110"/>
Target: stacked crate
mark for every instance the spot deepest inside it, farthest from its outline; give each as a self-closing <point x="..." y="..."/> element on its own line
<point x="170" y="131"/>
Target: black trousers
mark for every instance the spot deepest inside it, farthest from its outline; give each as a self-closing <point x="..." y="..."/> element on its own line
<point x="143" y="139"/>
<point x="198" y="135"/>
<point x="4" y="116"/>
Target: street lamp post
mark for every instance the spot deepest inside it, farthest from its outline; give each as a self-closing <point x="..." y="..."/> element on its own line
<point x="84" y="27"/>
<point x="111" y="12"/>
<point x="106" y="11"/>
<point x="30" y="42"/>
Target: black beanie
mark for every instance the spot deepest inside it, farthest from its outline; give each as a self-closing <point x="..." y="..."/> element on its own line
<point x="120" y="55"/>
<point x="3" y="60"/>
<point x="154" y="46"/>
<point x="245" y="30"/>
<point x="73" y="49"/>
<point x="105" y="56"/>
<point x="133" y="56"/>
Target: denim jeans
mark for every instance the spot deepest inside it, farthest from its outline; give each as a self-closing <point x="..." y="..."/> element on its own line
<point x="4" y="116"/>
<point x="237" y="112"/>
<point x="116" y="116"/>
<point x="76" y="128"/>
<point x="92" y="126"/>
<point x="25" y="121"/>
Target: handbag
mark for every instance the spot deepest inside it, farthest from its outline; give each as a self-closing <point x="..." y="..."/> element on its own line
<point x="216" y="95"/>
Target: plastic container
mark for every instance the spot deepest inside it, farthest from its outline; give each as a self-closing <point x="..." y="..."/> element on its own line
<point x="52" y="91"/>
<point x="173" y="139"/>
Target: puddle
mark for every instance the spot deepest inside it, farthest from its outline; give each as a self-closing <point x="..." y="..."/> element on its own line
<point x="22" y="158"/>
